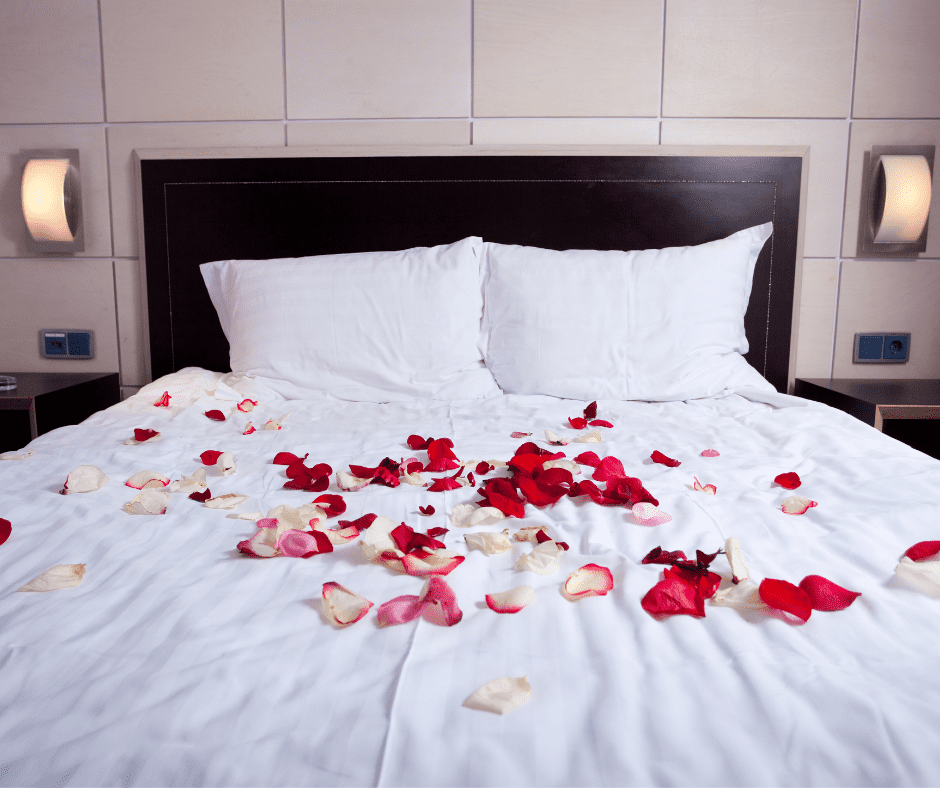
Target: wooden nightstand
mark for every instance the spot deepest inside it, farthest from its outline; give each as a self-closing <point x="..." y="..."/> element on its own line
<point x="906" y="409"/>
<point x="43" y="401"/>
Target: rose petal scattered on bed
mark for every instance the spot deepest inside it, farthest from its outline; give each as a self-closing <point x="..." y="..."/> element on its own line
<point x="6" y="528"/>
<point x="226" y="501"/>
<point x="501" y="696"/>
<point x="264" y="542"/>
<point x="142" y="436"/>
<point x="349" y="483"/>
<point x="588" y="458"/>
<point x="249" y="428"/>
<point x="417" y="443"/>
<point x="599" y="423"/>
<point x="923" y="550"/>
<point x="648" y="515"/>
<point x="342" y="606"/>
<point x="577" y="423"/>
<point x="85" y="478"/>
<point x="427" y="511"/>
<point x="436" y="562"/>
<point x="333" y="505"/>
<point x="194" y="483"/>
<point x="710" y="453"/>
<point x="16" y="457"/>
<point x="797" y="504"/>
<point x="285" y="458"/>
<point x="304" y="544"/>
<point x="554" y="440"/>
<point x="789" y="480"/>
<point x="607" y="469"/>
<point x="662" y="459"/>
<point x="825" y="595"/>
<point x="922" y="576"/>
<point x="202" y="497"/>
<point x="735" y="558"/>
<point x="543" y="559"/>
<point x="488" y="542"/>
<point x="468" y="515"/>
<point x="146" y="479"/>
<point x="275" y="424"/>
<point x="520" y="434"/>
<point x="590" y="412"/>
<point x="743" y="596"/>
<point x="441" y="457"/>
<point x="594" y="436"/>
<point x="148" y="501"/>
<point x="215" y="415"/>
<point x="437" y="603"/>
<point x="781" y="595"/>
<point x="511" y="601"/>
<point x="659" y="556"/>
<point x="672" y="596"/>
<point x="589" y="580"/>
<point x="225" y="464"/>
<point x="501" y="493"/>
<point x="255" y="516"/>
<point x="164" y="401"/>
<point x="707" y="488"/>
<point x="247" y="405"/>
<point x="59" y="576"/>
<point x="482" y="468"/>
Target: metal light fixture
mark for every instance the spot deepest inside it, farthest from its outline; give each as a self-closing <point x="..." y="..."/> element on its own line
<point x="51" y="198"/>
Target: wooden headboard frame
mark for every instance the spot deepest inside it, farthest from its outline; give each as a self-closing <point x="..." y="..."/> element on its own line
<point x="258" y="203"/>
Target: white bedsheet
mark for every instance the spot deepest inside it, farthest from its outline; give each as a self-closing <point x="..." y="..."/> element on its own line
<point x="180" y="661"/>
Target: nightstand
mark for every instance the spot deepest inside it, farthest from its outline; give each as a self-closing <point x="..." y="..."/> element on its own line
<point x="43" y="401"/>
<point x="906" y="409"/>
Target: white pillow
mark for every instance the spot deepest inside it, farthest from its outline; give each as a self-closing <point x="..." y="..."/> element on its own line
<point x="657" y="325"/>
<point x="372" y="327"/>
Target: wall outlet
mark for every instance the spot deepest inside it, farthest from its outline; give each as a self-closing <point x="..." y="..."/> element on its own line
<point x="882" y="348"/>
<point x="66" y="343"/>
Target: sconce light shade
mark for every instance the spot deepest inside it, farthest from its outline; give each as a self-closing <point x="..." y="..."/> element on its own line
<point x="51" y="198"/>
<point x="900" y="198"/>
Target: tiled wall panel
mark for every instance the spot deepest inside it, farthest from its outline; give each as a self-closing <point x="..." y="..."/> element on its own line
<point x="817" y="318"/>
<point x="50" y="62"/>
<point x="379" y="132"/>
<point x="368" y="59"/>
<point x="558" y="58"/>
<point x="740" y="58"/>
<point x="566" y="131"/>
<point x="178" y="60"/>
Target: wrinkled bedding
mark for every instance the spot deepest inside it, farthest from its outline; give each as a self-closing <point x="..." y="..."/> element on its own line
<point x="179" y="660"/>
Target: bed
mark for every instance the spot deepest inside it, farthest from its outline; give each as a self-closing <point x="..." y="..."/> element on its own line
<point x="605" y="340"/>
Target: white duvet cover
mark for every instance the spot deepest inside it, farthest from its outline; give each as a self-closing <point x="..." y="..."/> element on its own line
<point x="178" y="660"/>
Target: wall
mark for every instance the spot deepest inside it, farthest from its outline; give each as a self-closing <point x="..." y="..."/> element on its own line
<point x="108" y="76"/>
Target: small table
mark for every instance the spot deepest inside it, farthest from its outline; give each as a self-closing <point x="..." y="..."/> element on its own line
<point x="902" y="408"/>
<point x="43" y="401"/>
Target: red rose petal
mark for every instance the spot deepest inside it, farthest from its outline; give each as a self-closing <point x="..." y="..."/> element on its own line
<point x="444" y="484"/>
<point x="590" y="412"/>
<point x="417" y="443"/>
<point x="296" y="544"/>
<point x="609" y="468"/>
<point x="588" y="458"/>
<point x="6" y="528"/>
<point x="781" y="595"/>
<point x="482" y="468"/>
<point x="662" y="459"/>
<point x="600" y="423"/>
<point x="332" y="504"/>
<point x="789" y="480"/>
<point x="144" y="435"/>
<point x="210" y="457"/>
<point x="659" y="556"/>
<point x="202" y="497"/>
<point x="923" y="550"/>
<point x="438" y="531"/>
<point x="286" y="458"/>
<point x="164" y="401"/>
<point x="361" y="524"/>
<point x="427" y="511"/>
<point x="671" y="596"/>
<point x="215" y="415"/>
<point x="323" y="543"/>
<point x="577" y="423"/>
<point x="825" y="595"/>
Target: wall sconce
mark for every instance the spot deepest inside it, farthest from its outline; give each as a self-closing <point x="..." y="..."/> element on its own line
<point x="51" y="198"/>
<point x="898" y="189"/>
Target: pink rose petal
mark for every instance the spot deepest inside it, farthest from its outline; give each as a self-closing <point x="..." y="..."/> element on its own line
<point x="520" y="434"/>
<point x="923" y="550"/>
<point x="589" y="580"/>
<point x="436" y="602"/>
<point x="710" y="453"/>
<point x="342" y="606"/>
<point x="708" y="488"/>
<point x="825" y="595"/>
<point x="249" y="429"/>
<point x="511" y="601"/>
<point x="789" y="480"/>
<point x="247" y="405"/>
<point x="797" y="504"/>
<point x="648" y="515"/>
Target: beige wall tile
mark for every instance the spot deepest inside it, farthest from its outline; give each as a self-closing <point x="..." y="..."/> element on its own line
<point x="558" y="58"/>
<point x="90" y="142"/>
<point x="897" y="72"/>
<point x="741" y="58"/>
<point x="51" y="62"/>
<point x="882" y="296"/>
<point x="72" y="293"/>
<point x="122" y="140"/>
<point x="828" y="141"/>
<point x="864" y="134"/>
<point x="129" y="293"/>
<point x="378" y="58"/>
<point x="185" y="60"/>
<point x="566" y="131"/>
<point x="817" y="318"/>
<point x="379" y="132"/>
<point x="129" y="391"/>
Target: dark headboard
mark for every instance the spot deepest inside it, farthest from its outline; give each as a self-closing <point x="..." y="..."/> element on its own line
<point x="233" y="204"/>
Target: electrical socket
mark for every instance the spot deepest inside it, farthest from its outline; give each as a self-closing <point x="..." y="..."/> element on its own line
<point x="882" y="348"/>
<point x="66" y="343"/>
